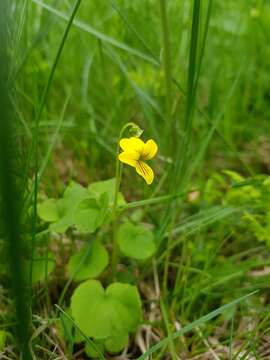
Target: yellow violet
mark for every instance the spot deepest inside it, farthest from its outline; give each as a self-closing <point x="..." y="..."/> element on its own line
<point x="135" y="151"/>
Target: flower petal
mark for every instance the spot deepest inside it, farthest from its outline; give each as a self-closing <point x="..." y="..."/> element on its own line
<point x="132" y="144"/>
<point x="150" y="149"/>
<point x="145" y="171"/>
<point x="129" y="157"/>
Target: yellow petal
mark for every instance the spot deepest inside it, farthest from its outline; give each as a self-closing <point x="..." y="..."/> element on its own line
<point x="145" y="171"/>
<point x="150" y="149"/>
<point x="129" y="157"/>
<point x="132" y="144"/>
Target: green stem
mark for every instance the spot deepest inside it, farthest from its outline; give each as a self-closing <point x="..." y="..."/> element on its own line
<point x="167" y="65"/>
<point x="118" y="176"/>
<point x="165" y="315"/>
<point x="168" y="82"/>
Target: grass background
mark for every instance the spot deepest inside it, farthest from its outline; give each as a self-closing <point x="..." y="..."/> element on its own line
<point x="194" y="75"/>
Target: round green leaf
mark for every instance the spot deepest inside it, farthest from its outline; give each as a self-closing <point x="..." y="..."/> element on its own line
<point x="136" y="241"/>
<point x="48" y="210"/>
<point x="65" y="219"/>
<point x="116" y="343"/>
<point x="3" y="339"/>
<point x="105" y="186"/>
<point x="106" y="313"/>
<point x="90" y="214"/>
<point x="89" y="262"/>
<point x="108" y="187"/>
<point x="91" y="351"/>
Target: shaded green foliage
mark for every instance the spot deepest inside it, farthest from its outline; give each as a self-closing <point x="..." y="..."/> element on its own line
<point x="194" y="75"/>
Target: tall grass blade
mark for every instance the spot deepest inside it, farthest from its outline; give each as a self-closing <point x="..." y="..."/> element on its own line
<point x="167" y="70"/>
<point x="193" y="74"/>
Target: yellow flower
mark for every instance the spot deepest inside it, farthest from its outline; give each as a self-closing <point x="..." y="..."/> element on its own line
<point x="135" y="151"/>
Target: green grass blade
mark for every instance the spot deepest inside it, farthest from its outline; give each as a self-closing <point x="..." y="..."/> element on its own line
<point x="133" y="30"/>
<point x="76" y="270"/>
<point x="97" y="34"/>
<point x="218" y="132"/>
<point x="193" y="74"/>
<point x="196" y="223"/>
<point x="179" y="171"/>
<point x="165" y="316"/>
<point x="147" y="102"/>
<point x="204" y="37"/>
<point x="194" y="324"/>
<point x="203" y="146"/>
<point x="86" y="338"/>
<point x="53" y="140"/>
<point x="168" y="72"/>
<point x="153" y="201"/>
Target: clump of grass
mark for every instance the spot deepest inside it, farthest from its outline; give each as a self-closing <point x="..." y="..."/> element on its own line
<point x="10" y="195"/>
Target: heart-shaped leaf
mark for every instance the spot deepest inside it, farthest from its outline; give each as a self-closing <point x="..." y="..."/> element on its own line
<point x="116" y="343"/>
<point x="106" y="186"/>
<point x="91" y="213"/>
<point x="89" y="262"/>
<point x="91" y="351"/>
<point x="61" y="212"/>
<point x="136" y="241"/>
<point x="48" y="210"/>
<point x="106" y="313"/>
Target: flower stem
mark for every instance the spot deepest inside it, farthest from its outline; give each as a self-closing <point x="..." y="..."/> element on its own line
<point x="118" y="176"/>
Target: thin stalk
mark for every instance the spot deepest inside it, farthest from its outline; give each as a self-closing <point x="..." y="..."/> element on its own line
<point x="165" y="316"/>
<point x="184" y="149"/>
<point x="179" y="276"/>
<point x="172" y="135"/>
<point x="152" y="201"/>
<point x="204" y="37"/>
<point x="167" y="257"/>
<point x="166" y="62"/>
<point x="118" y="176"/>
<point x="231" y="338"/>
<point x="47" y="290"/>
